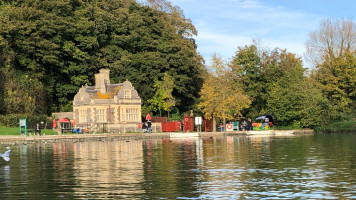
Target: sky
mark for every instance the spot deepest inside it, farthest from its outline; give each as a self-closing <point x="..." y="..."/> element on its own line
<point x="224" y="25"/>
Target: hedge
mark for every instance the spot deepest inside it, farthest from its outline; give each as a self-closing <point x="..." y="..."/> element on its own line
<point x="12" y="120"/>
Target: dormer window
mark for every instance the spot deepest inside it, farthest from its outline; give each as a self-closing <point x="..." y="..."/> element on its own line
<point x="127" y="94"/>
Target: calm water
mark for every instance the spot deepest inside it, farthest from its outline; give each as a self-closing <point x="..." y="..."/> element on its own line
<point x="303" y="167"/>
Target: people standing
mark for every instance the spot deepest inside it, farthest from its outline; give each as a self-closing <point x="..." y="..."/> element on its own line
<point x="249" y="124"/>
<point x="144" y="127"/>
<point x="38" y="129"/>
<point x="244" y="124"/>
<point x="149" y="124"/>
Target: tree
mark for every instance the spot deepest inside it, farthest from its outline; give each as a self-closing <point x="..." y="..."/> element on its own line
<point x="247" y="63"/>
<point x="222" y="95"/>
<point x="333" y="49"/>
<point x="61" y="44"/>
<point x="285" y="92"/>
<point x="338" y="83"/>
<point x="276" y="82"/>
<point x="334" y="38"/>
<point x="163" y="98"/>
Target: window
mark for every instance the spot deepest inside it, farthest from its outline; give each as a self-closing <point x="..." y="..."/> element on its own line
<point x="131" y="114"/>
<point x="82" y="116"/>
<point x="100" y="115"/>
<point x="127" y="94"/>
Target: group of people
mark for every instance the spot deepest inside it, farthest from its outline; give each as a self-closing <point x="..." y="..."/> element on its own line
<point x="146" y="127"/>
<point x="246" y="125"/>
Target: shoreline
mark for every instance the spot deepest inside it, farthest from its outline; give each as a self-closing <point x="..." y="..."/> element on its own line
<point x="17" y="140"/>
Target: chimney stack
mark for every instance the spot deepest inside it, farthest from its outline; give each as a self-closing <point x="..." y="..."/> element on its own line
<point x="101" y="80"/>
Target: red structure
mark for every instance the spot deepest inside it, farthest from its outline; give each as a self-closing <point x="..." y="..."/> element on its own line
<point x="209" y="125"/>
<point x="188" y="123"/>
<point x="170" y="126"/>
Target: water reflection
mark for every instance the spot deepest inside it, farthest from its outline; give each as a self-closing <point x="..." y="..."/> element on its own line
<point x="102" y="169"/>
<point x="308" y="167"/>
<point x="277" y="167"/>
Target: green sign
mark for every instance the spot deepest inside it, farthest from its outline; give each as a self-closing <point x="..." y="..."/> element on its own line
<point x="23" y="124"/>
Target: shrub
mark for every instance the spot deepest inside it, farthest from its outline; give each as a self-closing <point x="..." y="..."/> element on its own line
<point x="12" y="120"/>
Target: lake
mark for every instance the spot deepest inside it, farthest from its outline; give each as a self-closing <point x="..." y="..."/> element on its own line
<point x="224" y="167"/>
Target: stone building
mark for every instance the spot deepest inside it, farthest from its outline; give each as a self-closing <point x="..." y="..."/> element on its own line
<point x="107" y="107"/>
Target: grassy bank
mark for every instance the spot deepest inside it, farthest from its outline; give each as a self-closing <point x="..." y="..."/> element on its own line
<point x="15" y="131"/>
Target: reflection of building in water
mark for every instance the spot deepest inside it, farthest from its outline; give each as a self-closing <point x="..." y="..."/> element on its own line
<point x="108" y="168"/>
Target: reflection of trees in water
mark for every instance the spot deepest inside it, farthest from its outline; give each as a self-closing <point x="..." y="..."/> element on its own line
<point x="205" y="168"/>
<point x="304" y="166"/>
<point x="5" y="180"/>
<point x="171" y="167"/>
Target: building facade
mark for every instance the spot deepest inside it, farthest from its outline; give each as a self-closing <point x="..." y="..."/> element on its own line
<point x="107" y="107"/>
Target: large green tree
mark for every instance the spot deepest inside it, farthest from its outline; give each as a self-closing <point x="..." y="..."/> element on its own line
<point x="290" y="95"/>
<point x="332" y="47"/>
<point x="337" y="80"/>
<point x="247" y="63"/>
<point x="60" y="44"/>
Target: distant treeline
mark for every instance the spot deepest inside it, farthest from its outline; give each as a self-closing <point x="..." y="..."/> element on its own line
<point x="49" y="49"/>
<point x="258" y="81"/>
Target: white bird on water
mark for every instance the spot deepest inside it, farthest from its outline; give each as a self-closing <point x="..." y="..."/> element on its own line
<point x="6" y="155"/>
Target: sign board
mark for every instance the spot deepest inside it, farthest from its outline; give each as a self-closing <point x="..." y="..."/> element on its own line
<point x="22" y="122"/>
<point x="229" y="127"/>
<point x="198" y="121"/>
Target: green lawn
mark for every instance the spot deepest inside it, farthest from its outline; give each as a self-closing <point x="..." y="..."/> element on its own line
<point x="15" y="131"/>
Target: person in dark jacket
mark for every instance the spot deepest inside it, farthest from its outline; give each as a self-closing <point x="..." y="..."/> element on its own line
<point x="144" y="127"/>
<point x="249" y="124"/>
<point x="149" y="124"/>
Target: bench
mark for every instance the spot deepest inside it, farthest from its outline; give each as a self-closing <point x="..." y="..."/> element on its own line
<point x="66" y="130"/>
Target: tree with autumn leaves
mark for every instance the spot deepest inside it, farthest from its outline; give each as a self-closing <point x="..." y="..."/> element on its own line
<point x="222" y="95"/>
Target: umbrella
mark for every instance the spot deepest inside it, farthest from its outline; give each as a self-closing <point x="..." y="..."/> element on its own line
<point x="63" y="120"/>
<point x="261" y="117"/>
<point x="148" y="116"/>
<point x="74" y="122"/>
<point x="269" y="116"/>
<point x="54" y="123"/>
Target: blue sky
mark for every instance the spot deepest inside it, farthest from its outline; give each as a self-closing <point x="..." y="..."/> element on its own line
<point x="223" y="25"/>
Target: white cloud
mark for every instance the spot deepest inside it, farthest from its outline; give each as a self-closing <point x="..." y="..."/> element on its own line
<point x="226" y="24"/>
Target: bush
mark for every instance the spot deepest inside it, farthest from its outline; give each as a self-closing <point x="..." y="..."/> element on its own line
<point x="340" y="126"/>
<point x="12" y="120"/>
<point x="175" y="117"/>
